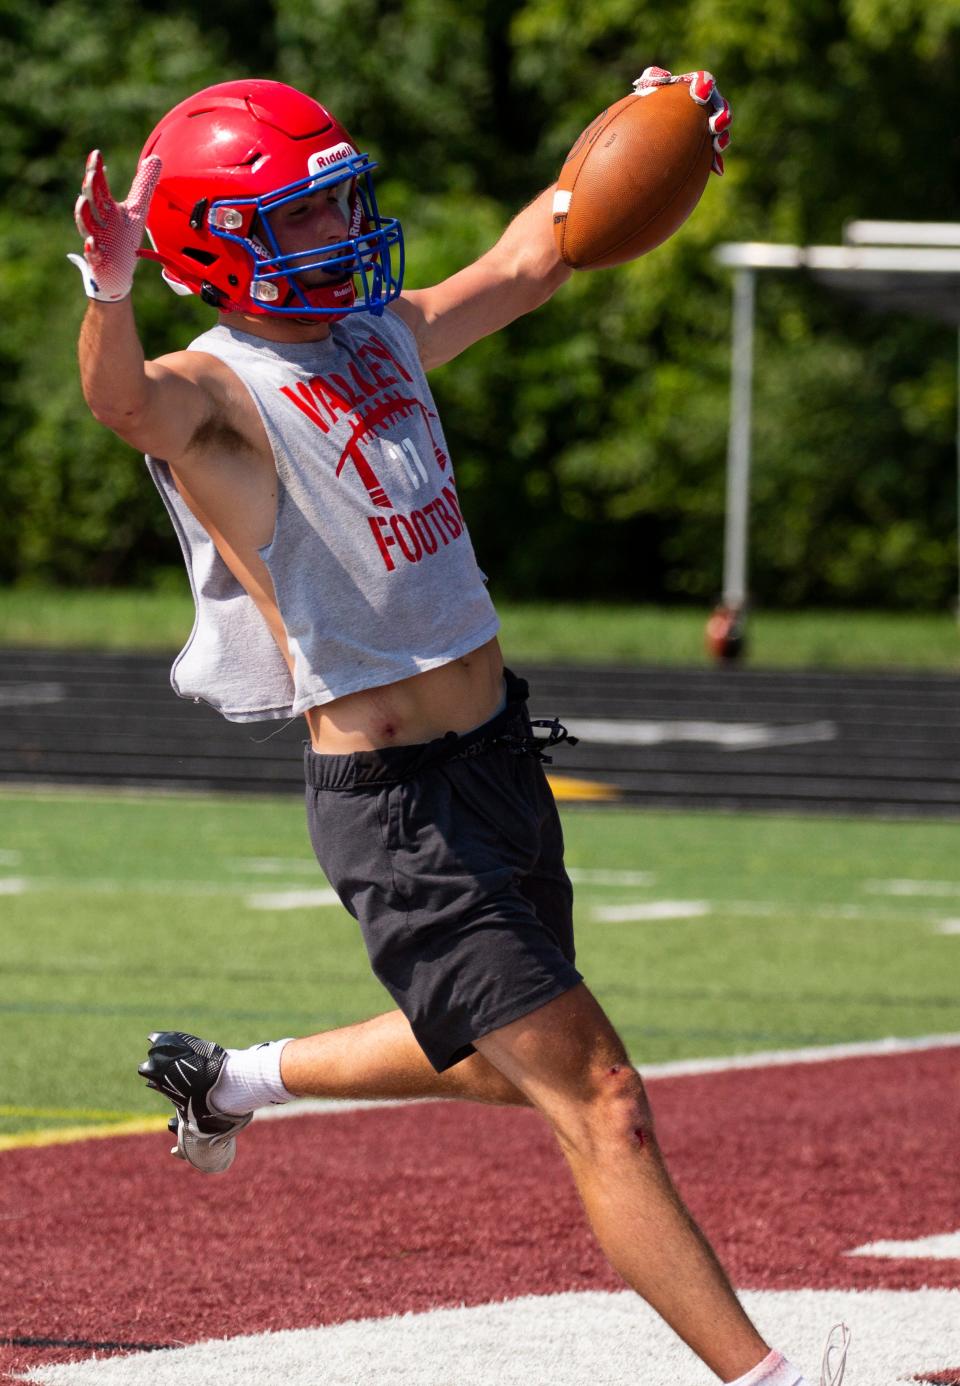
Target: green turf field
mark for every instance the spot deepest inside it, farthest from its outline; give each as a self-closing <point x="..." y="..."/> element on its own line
<point x="548" y="631"/>
<point x="119" y="915"/>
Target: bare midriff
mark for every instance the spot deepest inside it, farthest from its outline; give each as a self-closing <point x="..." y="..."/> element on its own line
<point x="454" y="697"/>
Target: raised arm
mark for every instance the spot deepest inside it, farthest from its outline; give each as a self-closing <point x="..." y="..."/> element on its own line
<point x="519" y="273"/>
<point x="156" y="406"/>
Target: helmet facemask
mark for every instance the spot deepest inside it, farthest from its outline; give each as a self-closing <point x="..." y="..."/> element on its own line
<point x="361" y="273"/>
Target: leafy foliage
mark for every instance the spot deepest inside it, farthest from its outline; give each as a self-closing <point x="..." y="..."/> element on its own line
<point x="589" y="437"/>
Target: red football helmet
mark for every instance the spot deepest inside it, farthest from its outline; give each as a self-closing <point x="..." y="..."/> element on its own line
<point x="232" y="154"/>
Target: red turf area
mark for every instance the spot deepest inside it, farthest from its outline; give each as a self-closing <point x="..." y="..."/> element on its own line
<point x="369" y="1213"/>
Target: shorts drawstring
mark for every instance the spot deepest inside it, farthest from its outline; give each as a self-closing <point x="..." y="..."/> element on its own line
<point x="522" y="745"/>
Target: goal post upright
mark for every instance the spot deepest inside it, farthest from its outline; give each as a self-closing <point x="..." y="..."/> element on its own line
<point x="738" y="444"/>
<point x="909" y="267"/>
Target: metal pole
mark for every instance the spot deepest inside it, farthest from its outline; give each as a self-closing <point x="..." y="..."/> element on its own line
<point x="738" y="445"/>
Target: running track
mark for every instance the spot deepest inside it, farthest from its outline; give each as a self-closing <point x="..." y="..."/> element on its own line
<point x="704" y="738"/>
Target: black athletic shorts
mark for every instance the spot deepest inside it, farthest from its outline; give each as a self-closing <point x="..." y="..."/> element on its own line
<point x="450" y="856"/>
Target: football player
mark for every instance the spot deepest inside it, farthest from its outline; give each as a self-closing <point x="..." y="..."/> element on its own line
<point x="298" y="449"/>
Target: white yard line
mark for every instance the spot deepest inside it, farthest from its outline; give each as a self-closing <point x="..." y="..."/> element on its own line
<point x="910" y="887"/>
<point x="291" y="899"/>
<point x="650" y="910"/>
<point x="774" y="909"/>
<point x="297" y="895"/>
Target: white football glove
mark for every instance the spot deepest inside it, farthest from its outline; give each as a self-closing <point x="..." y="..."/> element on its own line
<point x="703" y="88"/>
<point x="112" y="231"/>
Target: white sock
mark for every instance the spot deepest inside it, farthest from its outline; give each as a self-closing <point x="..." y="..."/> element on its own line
<point x="250" y="1079"/>
<point x="774" y="1370"/>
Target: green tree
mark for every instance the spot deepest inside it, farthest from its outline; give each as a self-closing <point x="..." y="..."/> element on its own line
<point x="589" y="438"/>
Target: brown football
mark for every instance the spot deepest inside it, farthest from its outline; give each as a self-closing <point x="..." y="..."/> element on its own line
<point x="632" y="178"/>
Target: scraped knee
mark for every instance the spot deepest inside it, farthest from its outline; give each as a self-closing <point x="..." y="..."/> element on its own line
<point x="626" y="1115"/>
<point x="612" y="1114"/>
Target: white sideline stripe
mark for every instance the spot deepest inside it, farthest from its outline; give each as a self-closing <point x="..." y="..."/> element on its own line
<point x="650" y="910"/>
<point x="584" y="875"/>
<point x="566" y="1339"/>
<point x="291" y="899"/>
<point x="813" y="1054"/>
<point x="12" y="885"/>
<point x="319" y="1106"/>
<point x="949" y="926"/>
<point x="943" y="1247"/>
<point x="729" y="736"/>
<point x="673" y="1068"/>
<point x="910" y="887"/>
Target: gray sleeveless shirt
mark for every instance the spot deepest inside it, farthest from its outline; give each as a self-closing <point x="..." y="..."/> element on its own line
<point x="373" y="569"/>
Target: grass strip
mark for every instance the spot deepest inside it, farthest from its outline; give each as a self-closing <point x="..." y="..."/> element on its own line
<point x="590" y="633"/>
<point x="795" y="949"/>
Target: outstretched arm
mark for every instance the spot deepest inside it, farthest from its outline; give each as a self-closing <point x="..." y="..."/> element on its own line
<point x="519" y="273"/>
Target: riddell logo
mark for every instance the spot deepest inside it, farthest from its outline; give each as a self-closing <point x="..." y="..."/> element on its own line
<point x="323" y="158"/>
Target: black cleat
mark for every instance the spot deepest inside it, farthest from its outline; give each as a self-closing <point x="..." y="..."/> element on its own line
<point x="184" y="1069"/>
